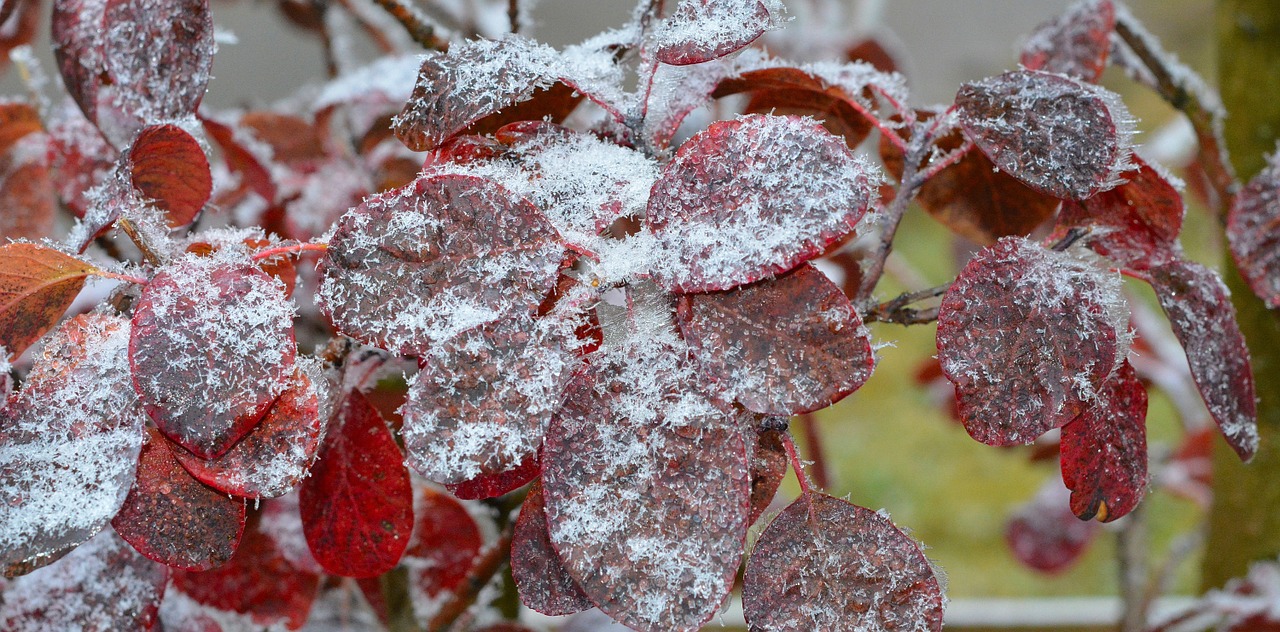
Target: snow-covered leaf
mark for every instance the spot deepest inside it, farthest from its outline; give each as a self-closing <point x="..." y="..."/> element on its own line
<point x="1104" y="450"/>
<point x="37" y="285"/>
<point x="1135" y="224"/>
<point x="499" y="483"/>
<point x="788" y="90"/>
<point x="541" y="579"/>
<point x="1044" y="535"/>
<point x="168" y="167"/>
<point x="1075" y="43"/>
<point x="156" y="56"/>
<point x="699" y="31"/>
<point x="1253" y="230"/>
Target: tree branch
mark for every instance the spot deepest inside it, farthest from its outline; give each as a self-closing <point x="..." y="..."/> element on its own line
<point x="419" y="29"/>
<point x="483" y="570"/>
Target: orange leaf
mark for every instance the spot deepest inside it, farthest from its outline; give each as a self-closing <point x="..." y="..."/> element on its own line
<point x="37" y="285"/>
<point x="169" y="167"/>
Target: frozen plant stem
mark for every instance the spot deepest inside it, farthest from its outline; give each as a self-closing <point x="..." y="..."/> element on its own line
<point x="132" y="231"/>
<point x="795" y="463"/>
<point x="413" y="22"/>
<point x="817" y="456"/>
<point x="290" y="249"/>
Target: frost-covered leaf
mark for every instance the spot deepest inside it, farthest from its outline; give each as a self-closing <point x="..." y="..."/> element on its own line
<point x="551" y="104"/>
<point x="699" y="31"/>
<point x="240" y="158"/>
<point x="768" y="468"/>
<point x="787" y="90"/>
<point x="174" y="519"/>
<point x="1075" y="43"/>
<point x="757" y="196"/>
<point x="156" y="56"/>
<point x="780" y="346"/>
<point x="445" y="254"/>
<point x="1253" y="230"/>
<point x="1104" y="450"/>
<point x="102" y="586"/>
<point x="541" y="579"/>
<point x="1028" y="335"/>
<point x="482" y="401"/>
<point x="37" y="285"/>
<point x="168" y="167"/>
<point x="1058" y="135"/>
<point x="80" y="156"/>
<point x="77" y="48"/>
<point x="445" y="542"/>
<point x="357" y="506"/>
<point x="275" y="455"/>
<point x="628" y="466"/>
<point x="1135" y="224"/>
<point x="1199" y="308"/>
<point x="1044" y="535"/>
<point x="497" y="484"/>
<point x="826" y="564"/>
<point x="212" y="348"/>
<point x="69" y="443"/>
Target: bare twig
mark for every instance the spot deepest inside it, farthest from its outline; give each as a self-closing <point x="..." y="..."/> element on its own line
<point x="414" y="22"/>
<point x="483" y="570"/>
<point x="896" y="311"/>
<point x="513" y="15"/>
<point x="1131" y="553"/>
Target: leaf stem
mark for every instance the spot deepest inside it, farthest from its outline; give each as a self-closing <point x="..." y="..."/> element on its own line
<point x="132" y="231"/>
<point x="796" y="466"/>
<point x="817" y="456"/>
<point x="289" y="249"/>
<point x="513" y="15"/>
<point x="896" y="311"/>
<point x="415" y="23"/>
<point x="121" y="277"/>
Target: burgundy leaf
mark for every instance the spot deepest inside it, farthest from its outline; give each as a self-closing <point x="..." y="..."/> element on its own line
<point x="69" y="443"/>
<point x="825" y="564"/>
<point x="541" y="579"/>
<point x="1057" y="135"/>
<point x="419" y="265"/>
<point x="445" y="542"/>
<point x="494" y="485"/>
<point x="699" y="31"/>
<point x="357" y="505"/>
<point x="768" y="467"/>
<point x="781" y="346"/>
<point x="753" y="197"/>
<point x="37" y="285"/>
<point x="212" y="349"/>
<point x="168" y="167"/>
<point x="174" y="519"/>
<point x="1028" y="335"/>
<point x="1075" y="43"/>
<point x="102" y="586"/>
<point x="77" y="48"/>
<point x="80" y="157"/>
<point x="1139" y="221"/>
<point x="785" y="90"/>
<point x="156" y="56"/>
<point x="1204" y="320"/>
<point x="1253" y="230"/>
<point x="1104" y="451"/>
<point x="241" y="160"/>
<point x="1044" y="535"/>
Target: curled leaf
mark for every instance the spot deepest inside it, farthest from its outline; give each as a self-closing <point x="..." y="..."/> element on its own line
<point x="699" y="31"/>
<point x="1135" y="224"/>
<point x="1104" y="450"/>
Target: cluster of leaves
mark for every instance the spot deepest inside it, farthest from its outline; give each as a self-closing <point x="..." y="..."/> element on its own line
<point x="604" y="315"/>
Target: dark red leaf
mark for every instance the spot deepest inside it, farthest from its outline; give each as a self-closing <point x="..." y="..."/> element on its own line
<point x="37" y="285"/>
<point x="768" y="468"/>
<point x="1139" y="221"/>
<point x="101" y="586"/>
<point x="77" y="48"/>
<point x="699" y="31"/>
<point x="445" y="542"/>
<point x="69" y="443"/>
<point x="545" y="104"/>
<point x="174" y="519"/>
<point x="1057" y="135"/>
<point x="1204" y="320"/>
<point x="874" y="51"/>
<point x="541" y="579"/>
<point x="781" y="346"/>
<point x="357" y="505"/>
<point x="1044" y="535"/>
<point x="785" y="90"/>
<point x="494" y="485"/>
<point x="81" y="157"/>
<point x="168" y="167"/>
<point x="1075" y="43"/>
<point x="240" y="159"/>
<point x="825" y="564"/>
<point x="415" y="266"/>
<point x="1253" y="230"/>
<point x="212" y="349"/>
<point x="1028" y="336"/>
<point x="156" y="56"/>
<point x="753" y="197"/>
<point x="1104" y="451"/>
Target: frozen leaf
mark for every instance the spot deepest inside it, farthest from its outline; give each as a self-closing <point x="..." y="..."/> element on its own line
<point x="1204" y="320"/>
<point x="174" y="519"/>
<point x="785" y="90"/>
<point x="541" y="579"/>
<point x="1059" y="136"/>
<point x="445" y="542"/>
<point x="548" y="104"/>
<point x="168" y="167"/>
<point x="102" y="586"/>
<point x="1253" y="230"/>
<point x="1075" y="43"/>
<point x="781" y="346"/>
<point x="1135" y="224"/>
<point x="357" y="506"/>
<point x="1044" y="535"/>
<point x="77" y="48"/>
<point x="753" y="197"/>
<point x="156" y="55"/>
<point x="37" y="285"/>
<point x="69" y="443"/>
<point x="699" y="31"/>
<point x="421" y="264"/>
<point x="482" y="401"/>
<point x="1028" y="335"/>
<point x="628" y="466"/>
<point x="80" y="156"/>
<point x="1104" y="451"/>
<point x="212" y="348"/>
<point x="768" y="467"/>
<point x="497" y="484"/>
<point x="825" y="564"/>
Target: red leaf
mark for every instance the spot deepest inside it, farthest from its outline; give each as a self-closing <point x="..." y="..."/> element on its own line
<point x="157" y="56"/>
<point x="1204" y="320"/>
<point x="782" y="346"/>
<point x="1075" y="43"/>
<point x="1028" y="335"/>
<point x="482" y="401"/>
<point x="77" y="48"/>
<point x="784" y="90"/>
<point x="825" y="564"/>
<point x="1104" y="451"/>
<point x="357" y="506"/>
<point x="1253" y="230"/>
<point x="445" y="542"/>
<point x="240" y="159"/>
<point x="753" y="197"/>
<point x="37" y="285"/>
<point x="768" y="468"/>
<point x="1140" y="219"/>
<point x="81" y="157"/>
<point x="1044" y="535"/>
<point x="69" y="443"/>
<point x="168" y="167"/>
<point x="699" y="31"/>
<point x="494" y="485"/>
<point x="1057" y="135"/>
<point x="101" y="586"/>
<point x="174" y="519"/>
<point x="27" y="194"/>
<point x="212" y="349"/>
<point x="541" y="579"/>
<point x="545" y="104"/>
<point x="409" y="268"/>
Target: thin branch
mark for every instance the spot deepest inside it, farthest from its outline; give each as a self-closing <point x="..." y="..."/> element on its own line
<point x="896" y="311"/>
<point x="796" y="466"/>
<point x="1131" y="553"/>
<point x="121" y="277"/>
<point x="419" y="29"/>
<point x="513" y="15"/>
<point x="482" y="572"/>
